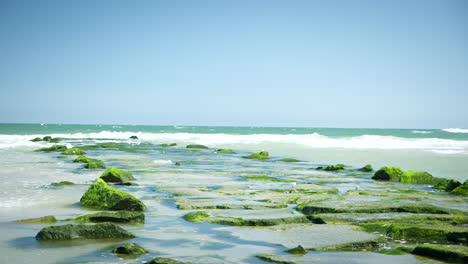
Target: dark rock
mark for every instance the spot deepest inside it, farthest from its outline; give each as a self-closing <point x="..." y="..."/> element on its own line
<point x="114" y="217"/>
<point x="66" y="232"/>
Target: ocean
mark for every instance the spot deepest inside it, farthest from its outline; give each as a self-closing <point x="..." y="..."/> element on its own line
<point x="169" y="177"/>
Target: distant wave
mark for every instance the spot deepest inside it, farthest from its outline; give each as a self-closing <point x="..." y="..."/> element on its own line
<point x="314" y="140"/>
<point x="421" y="132"/>
<point x="455" y="130"/>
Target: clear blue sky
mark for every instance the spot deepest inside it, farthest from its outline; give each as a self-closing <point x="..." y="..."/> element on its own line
<point x="399" y="64"/>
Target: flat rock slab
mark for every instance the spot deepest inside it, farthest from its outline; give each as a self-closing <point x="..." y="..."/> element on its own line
<point x="308" y="236"/>
<point x="67" y="232"/>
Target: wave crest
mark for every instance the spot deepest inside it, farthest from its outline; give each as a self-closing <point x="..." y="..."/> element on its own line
<point x="455" y="130"/>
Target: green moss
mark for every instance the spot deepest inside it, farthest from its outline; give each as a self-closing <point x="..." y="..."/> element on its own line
<point x="196" y="217"/>
<point x="370" y="245"/>
<point x="116" y="146"/>
<point x="167" y="145"/>
<point x="177" y="163"/>
<point x="461" y="190"/>
<point x="276" y="259"/>
<point x="115" y="217"/>
<point x="230" y="151"/>
<point x="233" y="221"/>
<point x="53" y="148"/>
<point x="67" y="232"/>
<point x="337" y="167"/>
<point x="309" y="209"/>
<point x="451" y="253"/>
<point x="131" y="250"/>
<point x="165" y="261"/>
<point x="262" y="155"/>
<point x="74" y="151"/>
<point x="196" y="146"/>
<point x="36" y="139"/>
<point x="264" y="178"/>
<point x="393" y="252"/>
<point x="95" y="165"/>
<point x="388" y="173"/>
<point x="83" y="159"/>
<point x="117" y="175"/>
<point x="447" y="185"/>
<point x="230" y="206"/>
<point x="418" y="177"/>
<point x="102" y="196"/>
<point x="50" y="219"/>
<point x="367" y="168"/>
<point x="299" y="250"/>
<point x="62" y="183"/>
<point x="289" y="160"/>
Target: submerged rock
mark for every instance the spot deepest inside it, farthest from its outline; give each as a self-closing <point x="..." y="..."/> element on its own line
<point x="196" y="146"/>
<point x="225" y="151"/>
<point x="367" y="168"/>
<point x="117" y="175"/>
<point x="289" y="160"/>
<point x="66" y="232"/>
<point x="102" y="196"/>
<point x="177" y="163"/>
<point x="418" y="177"/>
<point x="53" y="148"/>
<point x="196" y="217"/>
<point x="62" y="183"/>
<point x="83" y="159"/>
<point x="133" y="137"/>
<point x="337" y="167"/>
<point x="50" y="219"/>
<point x="311" y="209"/>
<point x="388" y="173"/>
<point x="447" y="185"/>
<point x="74" y="151"/>
<point x="37" y="139"/>
<point x="165" y="261"/>
<point x="299" y="250"/>
<point x="451" y="253"/>
<point x="115" y="217"/>
<point x="95" y="165"/>
<point x="262" y="155"/>
<point x="129" y="250"/>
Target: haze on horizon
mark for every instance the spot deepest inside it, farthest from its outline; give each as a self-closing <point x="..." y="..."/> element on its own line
<point x="338" y="63"/>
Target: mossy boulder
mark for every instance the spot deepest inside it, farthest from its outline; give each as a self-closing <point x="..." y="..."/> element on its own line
<point x="450" y="253"/>
<point x="50" y="219"/>
<point x="95" y="165"/>
<point x="67" y="232"/>
<point x="165" y="261"/>
<point x="168" y="145"/>
<point x="418" y="177"/>
<point x="127" y="217"/>
<point x="461" y="190"/>
<point x="367" y="168"/>
<point x="129" y="250"/>
<point x="196" y="146"/>
<point x="262" y="155"/>
<point x="388" y="173"/>
<point x="74" y="151"/>
<point x="447" y="185"/>
<point x="337" y="167"/>
<point x="133" y="137"/>
<point x="83" y="159"/>
<point x="299" y="250"/>
<point x="53" y="148"/>
<point x="289" y="160"/>
<point x="37" y="139"/>
<point x="230" y="151"/>
<point x="102" y="196"/>
<point x="311" y="209"/>
<point x="62" y="183"/>
<point x="177" y="163"/>
<point x="196" y="217"/>
<point x="117" y="175"/>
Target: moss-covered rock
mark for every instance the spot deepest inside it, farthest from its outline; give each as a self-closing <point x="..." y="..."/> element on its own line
<point x="165" y="145"/>
<point x="230" y="151"/>
<point x="62" y="183"/>
<point x="196" y="146"/>
<point x="133" y="137"/>
<point x="74" y="151"/>
<point x="196" y="217"/>
<point x="370" y="245"/>
<point x="388" y="173"/>
<point x="367" y="168"/>
<point x="337" y="167"/>
<point x="53" y="148"/>
<point x="97" y="164"/>
<point x="102" y="196"/>
<point x="117" y="175"/>
<point x="418" y="177"/>
<point x="114" y="217"/>
<point x="310" y="209"/>
<point x="450" y="253"/>
<point x="264" y="178"/>
<point x="289" y="160"/>
<point x="234" y="221"/>
<point x="447" y="185"/>
<point x="230" y="207"/>
<point x="47" y="138"/>
<point x="37" y="139"/>
<point x="461" y="190"/>
<point x="67" y="232"/>
<point x="83" y="159"/>
<point x="299" y="250"/>
<point x="129" y="250"/>
<point x="262" y="155"/>
<point x="280" y="259"/>
<point x="177" y="163"/>
<point x="165" y="261"/>
<point x="50" y="219"/>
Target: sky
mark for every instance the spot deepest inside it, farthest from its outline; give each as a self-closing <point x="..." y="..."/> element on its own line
<point x="370" y="64"/>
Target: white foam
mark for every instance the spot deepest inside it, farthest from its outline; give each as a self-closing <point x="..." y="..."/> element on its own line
<point x="456" y="130"/>
<point x="162" y="162"/>
<point x="421" y="132"/>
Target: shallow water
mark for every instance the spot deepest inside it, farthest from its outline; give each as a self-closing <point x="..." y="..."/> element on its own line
<point x="204" y="177"/>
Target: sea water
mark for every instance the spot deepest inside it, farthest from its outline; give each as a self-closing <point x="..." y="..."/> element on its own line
<point x="25" y="190"/>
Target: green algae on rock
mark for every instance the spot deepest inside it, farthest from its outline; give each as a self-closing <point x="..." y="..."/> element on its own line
<point x="264" y="178"/>
<point x="117" y="175"/>
<point x="367" y="168"/>
<point x="262" y="155"/>
<point x="310" y="209"/>
<point x="196" y="217"/>
<point x="276" y="259"/>
<point x="165" y="261"/>
<point x="95" y="165"/>
<point x="230" y="151"/>
<point x="371" y="245"/>
<point x="447" y="185"/>
<point x="337" y="167"/>
<point x="62" y="183"/>
<point x="193" y="146"/>
<point x="129" y="250"/>
<point x="418" y="177"/>
<point x="53" y="148"/>
<point x="127" y="217"/>
<point x="236" y="221"/>
<point x="299" y="250"/>
<point x="102" y="196"/>
<point x="67" y="232"/>
<point x="451" y="253"/>
<point x="37" y="139"/>
<point x="461" y="190"/>
<point x="289" y="160"/>
<point x="230" y="206"/>
<point x="50" y="219"/>
<point x="74" y="151"/>
<point x="388" y="173"/>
